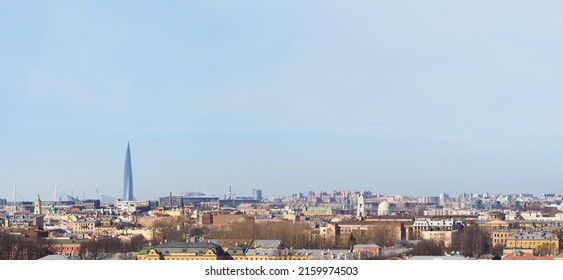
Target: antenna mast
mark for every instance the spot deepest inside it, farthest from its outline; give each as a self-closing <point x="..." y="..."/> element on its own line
<point x="15" y="201"/>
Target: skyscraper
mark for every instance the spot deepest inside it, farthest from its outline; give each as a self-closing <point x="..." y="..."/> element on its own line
<point x="128" y="177"/>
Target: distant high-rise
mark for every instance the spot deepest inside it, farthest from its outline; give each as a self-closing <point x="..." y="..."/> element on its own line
<point x="257" y="194"/>
<point x="128" y="177"/>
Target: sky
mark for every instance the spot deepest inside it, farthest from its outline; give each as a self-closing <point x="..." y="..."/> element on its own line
<point x="394" y="97"/>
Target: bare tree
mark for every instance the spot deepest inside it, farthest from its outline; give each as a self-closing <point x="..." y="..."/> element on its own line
<point x="169" y="230"/>
<point x="297" y="236"/>
<point x="474" y="241"/>
<point x="497" y="251"/>
<point x="100" y="249"/>
<point x="381" y="234"/>
<point x="428" y="248"/>
<point x="22" y="248"/>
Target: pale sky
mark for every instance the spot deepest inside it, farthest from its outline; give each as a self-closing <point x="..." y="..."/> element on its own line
<point x="395" y="97"/>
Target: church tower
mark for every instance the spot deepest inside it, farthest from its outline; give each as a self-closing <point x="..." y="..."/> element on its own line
<point x="37" y="207"/>
<point x="361" y="208"/>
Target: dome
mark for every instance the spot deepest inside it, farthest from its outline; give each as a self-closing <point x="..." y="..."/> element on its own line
<point x="383" y="208"/>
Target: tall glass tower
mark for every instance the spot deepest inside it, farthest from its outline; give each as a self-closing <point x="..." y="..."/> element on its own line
<point x="128" y="177"/>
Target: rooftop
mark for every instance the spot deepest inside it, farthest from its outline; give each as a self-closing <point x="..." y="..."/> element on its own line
<point x="532" y="236"/>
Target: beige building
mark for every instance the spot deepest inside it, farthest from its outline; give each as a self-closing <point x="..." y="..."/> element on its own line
<point x="105" y="230"/>
<point x="495" y="224"/>
<point x="84" y="227"/>
<point x="498" y="237"/>
<point x="417" y="230"/>
<point x="444" y="236"/>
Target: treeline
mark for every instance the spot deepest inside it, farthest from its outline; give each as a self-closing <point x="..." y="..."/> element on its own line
<point x="13" y="247"/>
<point x="104" y="248"/>
<point x="293" y="235"/>
<point x="383" y="234"/>
<point x="472" y="241"/>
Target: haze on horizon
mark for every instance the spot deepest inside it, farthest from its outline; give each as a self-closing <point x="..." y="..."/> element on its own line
<point x="416" y="97"/>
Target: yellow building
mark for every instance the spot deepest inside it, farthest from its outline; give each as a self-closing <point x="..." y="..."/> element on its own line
<point x="148" y="254"/>
<point x="537" y="243"/>
<point x="318" y="211"/>
<point x="494" y="225"/>
<point x="184" y="251"/>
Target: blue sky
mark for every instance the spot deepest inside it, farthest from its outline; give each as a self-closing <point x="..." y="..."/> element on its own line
<point x="416" y="97"/>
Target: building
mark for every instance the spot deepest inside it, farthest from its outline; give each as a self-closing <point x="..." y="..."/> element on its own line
<point x="444" y="230"/>
<point x="67" y="247"/>
<point x="196" y="199"/>
<point x="415" y="231"/>
<point x="528" y="257"/>
<point x="84" y="227"/>
<point x="184" y="251"/>
<point x="132" y="206"/>
<point x="128" y="177"/>
<point x="257" y="194"/>
<point x="37" y="207"/>
<point x="371" y="249"/>
<point x="341" y="232"/>
<point x="384" y="208"/>
<point x="361" y="208"/>
<point x="499" y="236"/>
<point x="444" y="236"/>
<point x="105" y="230"/>
<point x="536" y="243"/>
<point x="494" y="224"/>
<point x="318" y="211"/>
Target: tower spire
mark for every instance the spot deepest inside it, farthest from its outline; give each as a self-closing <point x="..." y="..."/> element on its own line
<point x="128" y="176"/>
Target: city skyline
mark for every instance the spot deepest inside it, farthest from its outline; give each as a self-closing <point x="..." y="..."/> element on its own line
<point x="283" y="97"/>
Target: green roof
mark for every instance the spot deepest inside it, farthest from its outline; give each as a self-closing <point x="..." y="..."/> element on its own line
<point x="198" y="248"/>
<point x="145" y="250"/>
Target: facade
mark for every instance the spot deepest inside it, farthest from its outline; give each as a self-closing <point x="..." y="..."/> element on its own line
<point x="361" y="208"/>
<point x="257" y="194"/>
<point x="340" y="233"/>
<point x="536" y="243"/>
<point x="495" y="224"/>
<point x="499" y="236"/>
<point x="105" y="230"/>
<point x="67" y="247"/>
<point x="132" y="206"/>
<point x="372" y="249"/>
<point x="318" y="211"/>
<point x="84" y="227"/>
<point x="195" y="199"/>
<point x="184" y="251"/>
<point x="128" y="177"/>
<point x="37" y="207"/>
<point x="417" y="230"/>
<point x="444" y="236"/>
